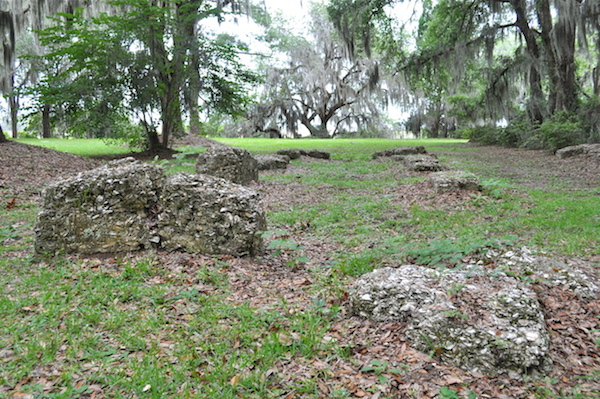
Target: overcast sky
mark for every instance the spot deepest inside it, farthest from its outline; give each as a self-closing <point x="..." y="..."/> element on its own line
<point x="288" y="7"/>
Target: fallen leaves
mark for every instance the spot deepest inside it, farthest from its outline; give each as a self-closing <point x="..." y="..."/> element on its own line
<point x="11" y="203"/>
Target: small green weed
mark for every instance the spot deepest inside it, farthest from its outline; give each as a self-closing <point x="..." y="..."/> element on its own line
<point x="181" y="161"/>
<point x="380" y="368"/>
<point x="456" y="288"/>
<point x="447" y="253"/>
<point x="455" y="314"/>
<point x="358" y="264"/>
<point x="282" y="243"/>
<point x="449" y="393"/>
<point x="8" y="233"/>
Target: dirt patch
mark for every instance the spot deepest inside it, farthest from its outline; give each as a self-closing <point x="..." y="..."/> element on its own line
<point x="531" y="168"/>
<point x="26" y="169"/>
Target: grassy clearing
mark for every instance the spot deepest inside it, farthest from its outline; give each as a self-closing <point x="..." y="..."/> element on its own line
<point x="340" y="148"/>
<point x="135" y="327"/>
<point x="136" y="330"/>
<point x="83" y="147"/>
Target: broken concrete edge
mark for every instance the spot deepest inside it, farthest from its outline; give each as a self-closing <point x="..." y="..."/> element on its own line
<point x="272" y="161"/>
<point x="454" y="180"/>
<point x="296" y="153"/>
<point x="410" y="150"/>
<point x="231" y="163"/>
<point x="576" y="150"/>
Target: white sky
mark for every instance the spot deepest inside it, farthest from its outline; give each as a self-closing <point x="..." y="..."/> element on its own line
<point x="288" y="8"/>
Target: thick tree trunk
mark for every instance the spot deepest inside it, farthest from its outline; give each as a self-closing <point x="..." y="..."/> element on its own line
<point x="535" y="81"/>
<point x="559" y="51"/>
<point x="321" y="131"/>
<point x="169" y="85"/>
<point x="189" y="44"/>
<point x="564" y="45"/>
<point x="194" y="117"/>
<point x="153" y="140"/>
<point x="546" y="25"/>
<point x="13" y="102"/>
<point x="3" y="138"/>
<point x="171" y="114"/>
<point x="46" y="129"/>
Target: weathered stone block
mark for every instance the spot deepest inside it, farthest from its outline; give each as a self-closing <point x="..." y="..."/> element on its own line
<point x="487" y="324"/>
<point x="454" y="180"/>
<point x="109" y="209"/>
<point x="582" y="149"/>
<point x="207" y="214"/>
<point x="234" y="164"/>
<point x="128" y="205"/>
<point x="420" y="162"/>
<point x="272" y="161"/>
<point x="419" y="149"/>
<point x="319" y="154"/>
<point x="293" y="153"/>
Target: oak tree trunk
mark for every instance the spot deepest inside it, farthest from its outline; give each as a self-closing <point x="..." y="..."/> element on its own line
<point x="46" y="129"/>
<point x="14" y="118"/>
<point x="3" y="138"/>
<point x="535" y="81"/>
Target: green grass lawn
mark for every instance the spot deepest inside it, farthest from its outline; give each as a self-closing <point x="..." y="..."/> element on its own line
<point x="142" y="327"/>
<point x="339" y="147"/>
<point x="83" y="147"/>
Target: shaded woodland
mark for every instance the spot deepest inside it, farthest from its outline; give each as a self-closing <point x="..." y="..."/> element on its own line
<point x="509" y="72"/>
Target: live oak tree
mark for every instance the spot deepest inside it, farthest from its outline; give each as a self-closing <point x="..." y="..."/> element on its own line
<point x="551" y="40"/>
<point x="314" y="84"/>
<point x="18" y="18"/>
<point x="3" y="138"/>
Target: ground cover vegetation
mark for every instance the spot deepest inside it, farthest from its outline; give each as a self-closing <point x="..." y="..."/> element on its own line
<point x="187" y="325"/>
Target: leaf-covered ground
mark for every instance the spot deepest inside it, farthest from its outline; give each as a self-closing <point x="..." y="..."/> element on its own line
<point x="299" y="307"/>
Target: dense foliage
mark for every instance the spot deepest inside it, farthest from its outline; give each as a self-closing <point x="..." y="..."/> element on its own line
<point x="485" y="63"/>
<point x="511" y="72"/>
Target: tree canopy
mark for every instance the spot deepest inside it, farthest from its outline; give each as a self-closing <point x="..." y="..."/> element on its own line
<point x="313" y="83"/>
<point x="522" y="56"/>
<point x="517" y="72"/>
<point x="148" y="61"/>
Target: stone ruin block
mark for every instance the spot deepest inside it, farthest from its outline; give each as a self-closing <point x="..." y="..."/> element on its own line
<point x="318" y="154"/>
<point x="272" y="161"/>
<point x="414" y="150"/>
<point x="576" y="150"/>
<point x="293" y="153"/>
<point x="207" y="214"/>
<point x="108" y="209"/>
<point x="420" y="162"/>
<point x="454" y="180"/>
<point x="128" y="205"/>
<point x="488" y="324"/>
<point x="234" y="164"/>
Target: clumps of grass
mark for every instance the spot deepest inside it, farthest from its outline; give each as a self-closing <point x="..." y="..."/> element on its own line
<point x="360" y="263"/>
<point x="183" y="161"/>
<point x="447" y="253"/>
<point x="282" y="243"/>
<point x="135" y="328"/>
